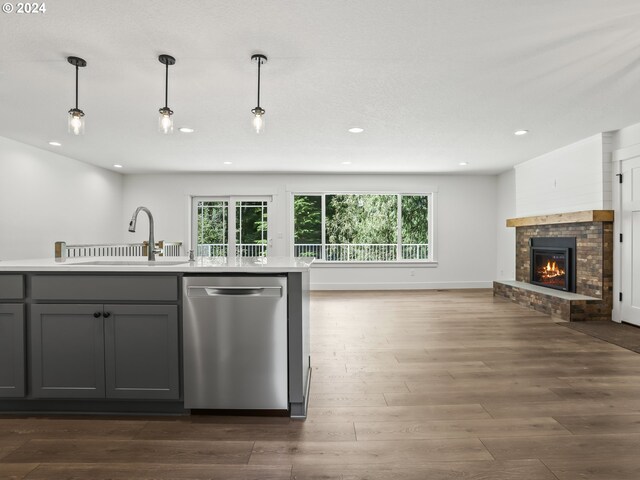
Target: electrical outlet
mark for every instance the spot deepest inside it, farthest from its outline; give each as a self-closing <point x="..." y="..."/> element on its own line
<point x="412" y="273"/>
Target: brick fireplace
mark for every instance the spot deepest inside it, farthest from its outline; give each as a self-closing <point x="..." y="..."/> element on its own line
<point x="593" y="257"/>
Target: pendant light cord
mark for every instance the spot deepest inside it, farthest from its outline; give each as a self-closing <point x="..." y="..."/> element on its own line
<point x="77" y="87"/>
<point x="166" y="86"/>
<point x="259" y="63"/>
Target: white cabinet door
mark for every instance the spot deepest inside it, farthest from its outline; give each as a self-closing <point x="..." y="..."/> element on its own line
<point x="631" y="241"/>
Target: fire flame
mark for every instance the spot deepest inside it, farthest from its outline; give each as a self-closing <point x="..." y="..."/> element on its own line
<point x="551" y="270"/>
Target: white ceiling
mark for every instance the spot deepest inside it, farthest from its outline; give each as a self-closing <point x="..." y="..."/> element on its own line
<point x="432" y="82"/>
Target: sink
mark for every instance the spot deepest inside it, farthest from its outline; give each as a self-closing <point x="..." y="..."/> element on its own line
<point x="130" y="263"/>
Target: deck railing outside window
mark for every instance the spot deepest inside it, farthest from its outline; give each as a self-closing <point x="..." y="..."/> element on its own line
<point x="343" y="252"/>
<point x="363" y="252"/>
<point x="221" y="249"/>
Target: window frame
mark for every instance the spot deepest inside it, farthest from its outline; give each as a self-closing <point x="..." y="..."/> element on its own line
<point x="431" y="218"/>
<point x="231" y="232"/>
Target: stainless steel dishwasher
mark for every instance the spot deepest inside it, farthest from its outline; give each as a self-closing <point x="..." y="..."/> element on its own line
<point x="235" y="342"/>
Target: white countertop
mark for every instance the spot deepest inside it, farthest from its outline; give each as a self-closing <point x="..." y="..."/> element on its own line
<point x="162" y="264"/>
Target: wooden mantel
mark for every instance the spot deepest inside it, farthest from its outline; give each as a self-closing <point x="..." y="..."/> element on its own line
<point x="570" y="217"/>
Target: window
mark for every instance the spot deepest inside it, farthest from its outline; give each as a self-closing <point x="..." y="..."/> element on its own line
<point x="212" y="228"/>
<point x="365" y="227"/>
<point x="228" y="226"/>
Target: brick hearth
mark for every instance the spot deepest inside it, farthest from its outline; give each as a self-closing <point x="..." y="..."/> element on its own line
<point x="594" y="267"/>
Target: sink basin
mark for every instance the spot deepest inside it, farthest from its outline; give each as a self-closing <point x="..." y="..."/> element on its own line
<point x="131" y="263"/>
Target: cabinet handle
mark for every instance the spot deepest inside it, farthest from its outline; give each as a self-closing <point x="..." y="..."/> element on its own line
<point x="97" y="314"/>
<point x="107" y="314"/>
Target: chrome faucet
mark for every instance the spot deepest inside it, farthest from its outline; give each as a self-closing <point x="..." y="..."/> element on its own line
<point x="152" y="241"/>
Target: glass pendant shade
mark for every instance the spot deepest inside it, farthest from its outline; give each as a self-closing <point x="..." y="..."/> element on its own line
<point x="165" y="121"/>
<point x="258" y="119"/>
<point x="76" y="121"/>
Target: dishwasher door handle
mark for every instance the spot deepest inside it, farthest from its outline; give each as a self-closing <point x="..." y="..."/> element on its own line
<point x="234" y="291"/>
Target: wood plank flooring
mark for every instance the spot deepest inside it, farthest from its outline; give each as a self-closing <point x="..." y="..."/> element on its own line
<point x="441" y="385"/>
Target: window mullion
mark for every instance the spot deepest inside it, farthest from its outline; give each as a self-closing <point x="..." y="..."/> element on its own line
<point x="196" y="236"/>
<point x="323" y="208"/>
<point x="240" y="208"/>
<point x="231" y="227"/>
<point x="399" y="255"/>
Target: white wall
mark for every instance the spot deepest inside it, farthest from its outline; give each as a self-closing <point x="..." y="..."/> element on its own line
<point x="506" y="237"/>
<point x="626" y="137"/>
<point x="607" y="170"/>
<point x="568" y="179"/>
<point x="465" y="219"/>
<point x="46" y="197"/>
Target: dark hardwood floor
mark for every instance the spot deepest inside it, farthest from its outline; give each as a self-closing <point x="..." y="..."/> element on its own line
<point x="437" y="385"/>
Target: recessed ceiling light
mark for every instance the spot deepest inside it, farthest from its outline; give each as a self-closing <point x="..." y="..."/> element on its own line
<point x="521" y="132"/>
<point x="186" y="129"/>
<point x="55" y="144"/>
<point x="117" y="166"/>
<point x="463" y="164"/>
<point x="356" y="130"/>
<point x="227" y="163"/>
<point x="346" y="163"/>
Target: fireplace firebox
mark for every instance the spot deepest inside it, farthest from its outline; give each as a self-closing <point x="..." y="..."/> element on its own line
<point x="553" y="262"/>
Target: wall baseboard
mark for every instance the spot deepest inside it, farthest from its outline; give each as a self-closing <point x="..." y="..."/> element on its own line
<point x="401" y="286"/>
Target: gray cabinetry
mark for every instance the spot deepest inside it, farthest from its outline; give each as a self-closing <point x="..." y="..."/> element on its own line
<point x="299" y="343"/>
<point x="67" y="351"/>
<point x="141" y="351"/>
<point x="105" y="351"/>
<point x="12" y="361"/>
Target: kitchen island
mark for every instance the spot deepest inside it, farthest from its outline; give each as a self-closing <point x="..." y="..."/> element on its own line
<point x="105" y="334"/>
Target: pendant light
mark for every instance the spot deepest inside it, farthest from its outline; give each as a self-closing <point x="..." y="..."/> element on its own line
<point x="165" y="122"/>
<point x="76" y="116"/>
<point x="258" y="112"/>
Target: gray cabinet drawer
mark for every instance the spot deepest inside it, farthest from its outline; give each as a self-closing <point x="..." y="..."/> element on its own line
<point x="139" y="288"/>
<point x="11" y="287"/>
